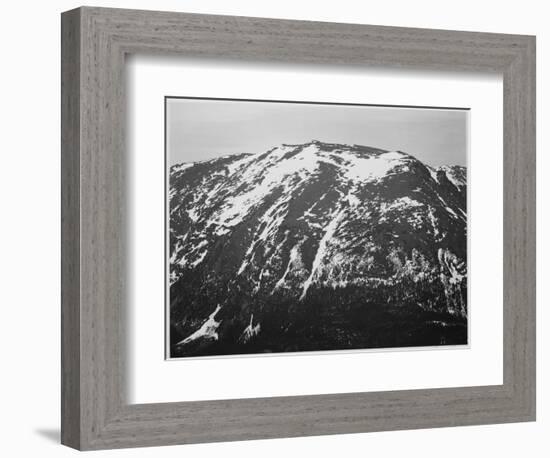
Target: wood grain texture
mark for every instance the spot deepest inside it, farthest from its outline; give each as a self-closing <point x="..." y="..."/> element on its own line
<point x="70" y="229"/>
<point x="95" y="411"/>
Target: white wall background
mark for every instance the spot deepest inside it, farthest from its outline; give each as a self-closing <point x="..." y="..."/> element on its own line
<point x="29" y="229"/>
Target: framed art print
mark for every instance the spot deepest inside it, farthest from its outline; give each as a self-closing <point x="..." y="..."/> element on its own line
<point x="338" y="218"/>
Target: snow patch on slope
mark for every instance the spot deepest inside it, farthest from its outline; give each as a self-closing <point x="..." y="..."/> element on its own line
<point x="262" y="179"/>
<point x="433" y="221"/>
<point x="294" y="262"/>
<point x="453" y="177"/>
<point x="433" y="174"/>
<point x="399" y="204"/>
<point x="370" y="168"/>
<point x="207" y="331"/>
<point x="330" y="229"/>
<point x="250" y="331"/>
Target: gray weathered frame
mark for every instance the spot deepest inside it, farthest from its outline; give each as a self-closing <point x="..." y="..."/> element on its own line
<point x="95" y="413"/>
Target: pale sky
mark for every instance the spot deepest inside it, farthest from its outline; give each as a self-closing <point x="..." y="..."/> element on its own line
<point x="203" y="129"/>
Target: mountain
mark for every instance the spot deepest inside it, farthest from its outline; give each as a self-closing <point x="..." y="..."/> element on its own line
<point x="316" y="246"/>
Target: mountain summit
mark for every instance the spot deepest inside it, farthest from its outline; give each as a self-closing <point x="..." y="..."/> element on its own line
<point x="316" y="246"/>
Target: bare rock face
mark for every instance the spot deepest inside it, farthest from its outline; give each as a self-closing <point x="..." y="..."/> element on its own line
<point x="316" y="247"/>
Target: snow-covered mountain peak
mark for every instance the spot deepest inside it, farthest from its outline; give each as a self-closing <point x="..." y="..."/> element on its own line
<point x="354" y="162"/>
<point x="289" y="224"/>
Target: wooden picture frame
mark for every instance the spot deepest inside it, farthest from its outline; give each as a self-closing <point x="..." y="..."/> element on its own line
<point x="95" y="412"/>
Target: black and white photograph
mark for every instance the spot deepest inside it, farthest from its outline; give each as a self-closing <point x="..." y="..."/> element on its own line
<point x="312" y="227"/>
